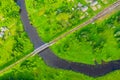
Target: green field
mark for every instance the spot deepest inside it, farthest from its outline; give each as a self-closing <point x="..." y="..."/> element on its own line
<point x="95" y="42"/>
<point x="35" y="69"/>
<point x="14" y="42"/>
<point x="52" y="18"/>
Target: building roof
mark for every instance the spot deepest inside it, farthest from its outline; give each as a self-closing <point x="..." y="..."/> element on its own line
<point x="94" y="3"/>
<point x="3" y="29"/>
<point x="85" y="8"/>
<point x="89" y="1"/>
<point x="1" y="34"/>
<point x="79" y="4"/>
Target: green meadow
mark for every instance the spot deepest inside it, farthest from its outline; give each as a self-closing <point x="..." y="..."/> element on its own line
<point x="14" y="42"/>
<point x="35" y="69"/>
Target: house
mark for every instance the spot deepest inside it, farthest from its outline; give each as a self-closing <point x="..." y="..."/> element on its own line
<point x="1" y="34"/>
<point x="86" y="13"/>
<point x="89" y="1"/>
<point x="73" y="9"/>
<point x="94" y="8"/>
<point x="104" y="1"/>
<point x="98" y="6"/>
<point x="82" y="17"/>
<point x="80" y="5"/>
<point x="3" y="29"/>
<point x="84" y="8"/>
<point x="94" y="3"/>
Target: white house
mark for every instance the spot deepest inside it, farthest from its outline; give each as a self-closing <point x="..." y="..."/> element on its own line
<point x="84" y="8"/>
<point x="1" y="34"/>
<point x="80" y="5"/>
<point x="89" y="1"/>
<point x="3" y="29"/>
<point x="94" y="3"/>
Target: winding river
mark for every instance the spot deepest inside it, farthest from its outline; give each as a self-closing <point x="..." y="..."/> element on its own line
<point x="52" y="60"/>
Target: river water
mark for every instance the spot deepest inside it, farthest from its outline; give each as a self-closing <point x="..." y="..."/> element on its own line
<point x="54" y="61"/>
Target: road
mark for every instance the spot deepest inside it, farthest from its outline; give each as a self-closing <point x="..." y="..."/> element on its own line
<point x="90" y="70"/>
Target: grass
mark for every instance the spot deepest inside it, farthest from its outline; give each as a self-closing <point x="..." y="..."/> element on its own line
<point x="15" y="42"/>
<point x="35" y="69"/>
<point x="52" y="18"/>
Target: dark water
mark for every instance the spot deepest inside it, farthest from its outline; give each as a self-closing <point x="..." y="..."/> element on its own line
<point x="52" y="60"/>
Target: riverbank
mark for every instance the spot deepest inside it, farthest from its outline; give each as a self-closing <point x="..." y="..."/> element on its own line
<point x="54" y="61"/>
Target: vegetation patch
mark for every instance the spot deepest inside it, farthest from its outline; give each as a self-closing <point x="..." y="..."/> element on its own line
<point x="97" y="42"/>
<point x="54" y="17"/>
<point x="35" y="69"/>
<point x="14" y="42"/>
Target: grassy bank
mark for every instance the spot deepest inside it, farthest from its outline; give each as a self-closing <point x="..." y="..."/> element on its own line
<point x="35" y="69"/>
<point x="95" y="42"/>
<point x="14" y="42"/>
